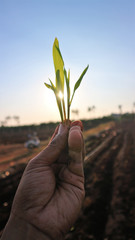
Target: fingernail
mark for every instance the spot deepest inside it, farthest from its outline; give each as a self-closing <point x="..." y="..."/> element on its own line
<point x="77" y="123"/>
<point x="75" y="128"/>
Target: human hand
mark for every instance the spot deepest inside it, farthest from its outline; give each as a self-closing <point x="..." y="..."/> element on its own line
<point x="51" y="191"/>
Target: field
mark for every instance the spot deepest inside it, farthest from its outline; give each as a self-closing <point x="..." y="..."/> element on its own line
<point x="108" y="211"/>
<point x="12" y="154"/>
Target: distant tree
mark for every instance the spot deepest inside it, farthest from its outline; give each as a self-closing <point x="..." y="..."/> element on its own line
<point x="120" y="109"/>
<point x="75" y="112"/>
<point x="92" y="108"/>
<point x="89" y="109"/>
<point x="17" y="119"/>
<point x="120" y="112"/>
<point x="3" y="123"/>
<point x="8" y="119"/>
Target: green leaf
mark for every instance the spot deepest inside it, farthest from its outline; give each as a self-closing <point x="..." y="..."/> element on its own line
<point x="57" y="99"/>
<point x="69" y="82"/>
<point x="58" y="64"/>
<point x="80" y="79"/>
<point x="69" y="75"/>
<point x="77" y="84"/>
<point x="59" y="87"/>
<point x="52" y="85"/>
<point x="66" y="78"/>
<point x="68" y="91"/>
<point x="48" y="86"/>
<point x="59" y="107"/>
<point x="59" y="53"/>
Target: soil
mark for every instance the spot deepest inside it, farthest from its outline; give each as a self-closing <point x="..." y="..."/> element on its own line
<point x="12" y="154"/>
<point x="108" y="211"/>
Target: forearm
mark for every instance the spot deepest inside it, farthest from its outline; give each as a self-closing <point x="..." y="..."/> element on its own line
<point x="18" y="229"/>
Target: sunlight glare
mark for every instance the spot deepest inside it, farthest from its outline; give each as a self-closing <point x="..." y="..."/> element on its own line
<point x="60" y="95"/>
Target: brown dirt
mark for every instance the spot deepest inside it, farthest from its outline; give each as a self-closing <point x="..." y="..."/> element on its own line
<point x="108" y="211"/>
<point x="12" y="154"/>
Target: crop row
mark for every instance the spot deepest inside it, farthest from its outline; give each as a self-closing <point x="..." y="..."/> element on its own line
<point x="109" y="207"/>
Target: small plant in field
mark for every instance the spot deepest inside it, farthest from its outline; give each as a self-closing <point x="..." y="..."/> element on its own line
<point x="62" y="78"/>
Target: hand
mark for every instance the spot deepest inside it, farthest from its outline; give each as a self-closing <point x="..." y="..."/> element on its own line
<point x="51" y="191"/>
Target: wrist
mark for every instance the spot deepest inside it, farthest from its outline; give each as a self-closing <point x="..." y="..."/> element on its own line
<point x="19" y="229"/>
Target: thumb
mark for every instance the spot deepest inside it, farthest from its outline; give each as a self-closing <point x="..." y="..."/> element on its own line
<point x="52" y="152"/>
<point x="76" y="150"/>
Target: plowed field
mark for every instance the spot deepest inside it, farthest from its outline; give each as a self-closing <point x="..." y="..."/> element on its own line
<point x="108" y="211"/>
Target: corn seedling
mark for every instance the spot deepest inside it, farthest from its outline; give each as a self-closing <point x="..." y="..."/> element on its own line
<point x="62" y="79"/>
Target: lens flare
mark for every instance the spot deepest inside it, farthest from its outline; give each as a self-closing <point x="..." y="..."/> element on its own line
<point x="60" y="95"/>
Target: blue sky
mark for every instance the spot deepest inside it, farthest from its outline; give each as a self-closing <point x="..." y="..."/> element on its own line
<point x="94" y="32"/>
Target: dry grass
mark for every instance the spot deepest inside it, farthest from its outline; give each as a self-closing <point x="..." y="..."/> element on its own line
<point x="99" y="128"/>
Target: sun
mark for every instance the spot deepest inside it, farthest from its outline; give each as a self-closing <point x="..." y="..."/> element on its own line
<point x="60" y="95"/>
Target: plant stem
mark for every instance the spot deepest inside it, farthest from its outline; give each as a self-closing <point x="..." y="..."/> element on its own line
<point x="60" y="108"/>
<point x="68" y="111"/>
<point x="68" y="102"/>
<point x="64" y="111"/>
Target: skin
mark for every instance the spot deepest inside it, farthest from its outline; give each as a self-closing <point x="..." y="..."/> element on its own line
<point x="51" y="191"/>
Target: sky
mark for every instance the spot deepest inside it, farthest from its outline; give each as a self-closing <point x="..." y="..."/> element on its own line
<point x="100" y="33"/>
